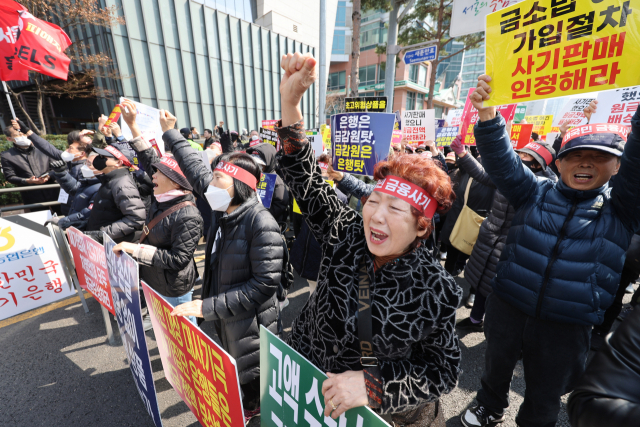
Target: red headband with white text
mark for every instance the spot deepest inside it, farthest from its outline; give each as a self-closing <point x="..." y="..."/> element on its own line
<point x="542" y="151"/>
<point x="238" y="173"/>
<point x="410" y="193"/>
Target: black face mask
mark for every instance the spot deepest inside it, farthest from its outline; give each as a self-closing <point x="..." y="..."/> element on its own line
<point x="100" y="162"/>
<point x="531" y="164"/>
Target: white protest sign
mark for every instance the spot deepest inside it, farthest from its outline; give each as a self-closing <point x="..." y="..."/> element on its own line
<point x="468" y="16"/>
<point x="148" y="120"/>
<point x="454" y="117"/>
<point x="617" y="106"/>
<point x="572" y="112"/>
<point x="31" y="274"/>
<point x="315" y="139"/>
<point x="419" y="125"/>
<point x="63" y="196"/>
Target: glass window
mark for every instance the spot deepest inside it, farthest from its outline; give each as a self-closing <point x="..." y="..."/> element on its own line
<point x="420" y="102"/>
<point x="160" y="71"/>
<point x="370" y="35"/>
<point x="337" y="80"/>
<point x="140" y="55"/>
<point x="341" y="14"/>
<point x="381" y="72"/>
<point x="339" y="42"/>
<point x="413" y="73"/>
<point x="411" y="100"/>
<point x="422" y="76"/>
<point x="367" y="75"/>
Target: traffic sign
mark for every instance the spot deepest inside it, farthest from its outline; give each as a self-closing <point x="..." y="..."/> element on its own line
<point x="421" y="55"/>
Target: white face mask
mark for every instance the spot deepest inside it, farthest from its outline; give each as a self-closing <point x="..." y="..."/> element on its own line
<point x="67" y="157"/>
<point x="254" y="138"/>
<point x="87" y="172"/>
<point x="22" y="141"/>
<point x="218" y="198"/>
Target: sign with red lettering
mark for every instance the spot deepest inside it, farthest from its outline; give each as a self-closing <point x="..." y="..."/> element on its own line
<point x="617" y="106"/>
<point x="572" y="113"/>
<point x="199" y="370"/>
<point x="91" y="267"/>
<point x="269" y="124"/>
<point x="520" y="135"/>
<point x="470" y="118"/>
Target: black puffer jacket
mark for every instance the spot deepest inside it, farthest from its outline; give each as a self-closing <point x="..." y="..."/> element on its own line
<point x="19" y="164"/>
<point x="117" y="208"/>
<point x="608" y="394"/>
<point x="280" y="201"/>
<point x="166" y="256"/>
<point x="480" y="200"/>
<point x="481" y="267"/>
<point x="242" y="276"/>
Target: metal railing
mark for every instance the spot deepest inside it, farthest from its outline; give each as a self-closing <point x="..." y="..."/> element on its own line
<point x="30" y="188"/>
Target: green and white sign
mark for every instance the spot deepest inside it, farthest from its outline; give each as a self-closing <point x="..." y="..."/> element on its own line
<point x="291" y="391"/>
<point x="521" y="111"/>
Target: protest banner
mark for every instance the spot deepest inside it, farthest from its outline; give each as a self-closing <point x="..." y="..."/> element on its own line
<point x="269" y="124"/>
<point x="439" y="123"/>
<point x="325" y="131"/>
<point x="265" y="188"/>
<point x="397" y="125"/>
<point x="419" y="125"/>
<point x="270" y="137"/>
<point x="572" y="112"/>
<point x="148" y="120"/>
<point x="114" y="116"/>
<point x="315" y="139"/>
<point x="199" y="370"/>
<point x="396" y="137"/>
<point x="617" y="106"/>
<point x="91" y="267"/>
<point x="521" y="112"/>
<point x="291" y="390"/>
<point x="371" y="104"/>
<point x="549" y="48"/>
<point x="468" y="16"/>
<point x="520" y="135"/>
<point x="125" y="290"/>
<point x="470" y="118"/>
<point x="360" y="141"/>
<point x="454" y="117"/>
<point x="541" y="124"/>
<point x="445" y="136"/>
<point x="31" y="273"/>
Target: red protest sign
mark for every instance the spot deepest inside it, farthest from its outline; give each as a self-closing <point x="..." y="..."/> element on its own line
<point x="269" y="124"/>
<point x="114" y="116"/>
<point x="200" y="371"/>
<point x="91" y="266"/>
<point x="520" y="135"/>
<point x="470" y="118"/>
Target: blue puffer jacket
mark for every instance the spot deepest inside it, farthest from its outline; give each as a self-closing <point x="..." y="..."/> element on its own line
<point x="82" y="191"/>
<point x="566" y="248"/>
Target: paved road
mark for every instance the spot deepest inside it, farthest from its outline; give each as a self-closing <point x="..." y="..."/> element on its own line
<point x="58" y="370"/>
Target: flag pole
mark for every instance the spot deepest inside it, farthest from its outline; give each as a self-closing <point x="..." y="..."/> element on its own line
<point x="6" y="91"/>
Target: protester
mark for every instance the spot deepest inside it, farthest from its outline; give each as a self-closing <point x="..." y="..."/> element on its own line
<point x="561" y="264"/>
<point x="408" y="369"/>
<point x="186" y="134"/>
<point x="608" y="392"/>
<point x="243" y="261"/>
<point x="265" y="154"/>
<point x="117" y="210"/>
<point x="208" y="138"/>
<point x="219" y="129"/>
<point x="481" y="267"/>
<point x="254" y="136"/>
<point x="173" y="226"/>
<point x="194" y="133"/>
<point x="23" y="165"/>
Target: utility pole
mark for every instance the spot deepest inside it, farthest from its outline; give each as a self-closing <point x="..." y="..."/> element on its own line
<point x="323" y="64"/>
<point x="392" y="51"/>
<point x="355" y="49"/>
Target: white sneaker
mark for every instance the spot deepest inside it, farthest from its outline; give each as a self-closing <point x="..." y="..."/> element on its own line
<point x="479" y="416"/>
<point x="284" y="304"/>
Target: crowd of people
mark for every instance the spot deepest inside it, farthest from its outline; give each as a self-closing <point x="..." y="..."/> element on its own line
<point x="555" y="252"/>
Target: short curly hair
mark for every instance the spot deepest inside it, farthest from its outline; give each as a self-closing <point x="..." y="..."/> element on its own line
<point x="425" y="173"/>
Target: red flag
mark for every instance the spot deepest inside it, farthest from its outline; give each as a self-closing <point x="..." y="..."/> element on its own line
<point x="40" y="46"/>
<point x="10" y="68"/>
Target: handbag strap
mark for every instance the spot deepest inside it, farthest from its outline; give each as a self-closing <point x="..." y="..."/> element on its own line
<point x="466" y="192"/>
<point x="147" y="228"/>
<point x="365" y="329"/>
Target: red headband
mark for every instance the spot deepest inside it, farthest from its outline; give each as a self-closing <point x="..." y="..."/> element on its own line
<point x="118" y="155"/>
<point x="410" y="193"/>
<point x="238" y="173"/>
<point x="323" y="166"/>
<point x="539" y="149"/>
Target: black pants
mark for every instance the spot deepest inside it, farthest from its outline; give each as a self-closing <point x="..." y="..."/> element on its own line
<point x="251" y="395"/>
<point x="627" y="277"/>
<point x="455" y="260"/>
<point x="554" y="356"/>
<point x="479" y="307"/>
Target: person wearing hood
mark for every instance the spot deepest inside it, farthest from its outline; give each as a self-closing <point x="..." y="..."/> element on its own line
<point x="186" y="133"/>
<point x="117" y="210"/>
<point x="265" y="156"/>
<point x="173" y="225"/>
<point x="23" y="165"/>
<point x="72" y="159"/>
<point x="482" y="264"/>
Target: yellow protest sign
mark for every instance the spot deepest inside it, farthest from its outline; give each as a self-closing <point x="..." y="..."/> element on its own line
<point x="541" y="124"/>
<point x="551" y="48"/>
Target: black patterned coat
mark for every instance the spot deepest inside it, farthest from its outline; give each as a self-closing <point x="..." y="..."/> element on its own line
<point x="414" y="299"/>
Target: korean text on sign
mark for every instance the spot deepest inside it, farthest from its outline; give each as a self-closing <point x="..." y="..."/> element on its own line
<point x="470" y="118"/>
<point x="550" y="48"/>
<point x="617" y="106"/>
<point x="541" y="124"/>
<point x="199" y="370"/>
<point x="572" y="112"/>
<point x="520" y="135"/>
<point x="445" y="136"/>
<point x="291" y="391"/>
<point x="265" y="188"/>
<point x="419" y="125"/>
<point x="371" y="104"/>
<point x="91" y="266"/>
<point x="270" y="136"/>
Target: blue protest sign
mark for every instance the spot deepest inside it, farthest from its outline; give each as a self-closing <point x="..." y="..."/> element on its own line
<point x="398" y="124"/>
<point x="445" y="136"/>
<point x="265" y="188"/>
<point x="360" y="140"/>
<point x="439" y="123"/>
<point x="421" y="55"/>
<point x="125" y="289"/>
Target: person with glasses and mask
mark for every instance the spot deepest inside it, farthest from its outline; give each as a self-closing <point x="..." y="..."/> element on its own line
<point x="244" y="257"/>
